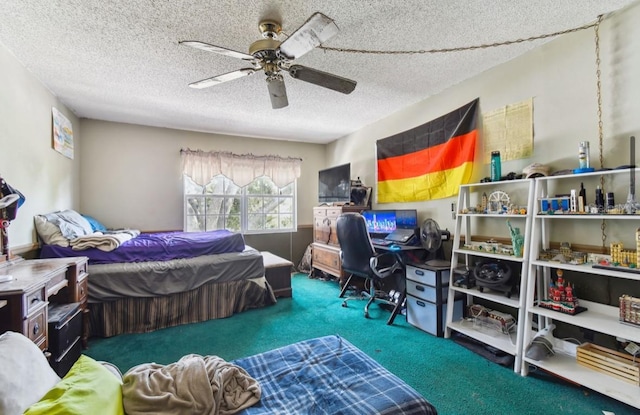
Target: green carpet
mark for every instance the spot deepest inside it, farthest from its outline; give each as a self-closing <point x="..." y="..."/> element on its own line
<point x="452" y="378"/>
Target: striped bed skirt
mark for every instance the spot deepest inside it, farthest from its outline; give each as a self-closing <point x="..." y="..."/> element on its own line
<point x="210" y="301"/>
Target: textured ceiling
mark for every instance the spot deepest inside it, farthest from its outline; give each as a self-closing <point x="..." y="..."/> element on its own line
<point x="119" y="60"/>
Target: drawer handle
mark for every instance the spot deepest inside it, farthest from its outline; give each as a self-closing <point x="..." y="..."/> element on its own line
<point x="419" y="272"/>
<point x="419" y="288"/>
<point x="36" y="329"/>
<point x="34" y="300"/>
<point x="420" y="303"/>
<point x="81" y="290"/>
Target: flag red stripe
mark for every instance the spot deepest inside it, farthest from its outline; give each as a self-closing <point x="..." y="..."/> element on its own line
<point x="453" y="153"/>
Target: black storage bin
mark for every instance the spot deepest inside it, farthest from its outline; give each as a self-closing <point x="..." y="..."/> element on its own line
<point x="65" y="325"/>
<point x="62" y="364"/>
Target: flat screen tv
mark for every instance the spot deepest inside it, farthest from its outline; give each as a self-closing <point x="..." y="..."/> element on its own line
<point x="334" y="184"/>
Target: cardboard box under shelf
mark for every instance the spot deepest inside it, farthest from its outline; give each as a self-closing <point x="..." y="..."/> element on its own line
<point x="610" y="362"/>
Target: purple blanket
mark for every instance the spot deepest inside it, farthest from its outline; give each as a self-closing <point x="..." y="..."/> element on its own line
<point x="161" y="246"/>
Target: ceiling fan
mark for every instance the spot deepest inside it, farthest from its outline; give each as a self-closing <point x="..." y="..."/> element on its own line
<point x="274" y="57"/>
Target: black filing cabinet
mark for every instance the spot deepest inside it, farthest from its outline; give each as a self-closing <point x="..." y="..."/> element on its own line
<point x="427" y="289"/>
<point x="65" y="330"/>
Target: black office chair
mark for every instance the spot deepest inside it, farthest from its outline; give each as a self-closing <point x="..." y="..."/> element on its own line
<point x="359" y="259"/>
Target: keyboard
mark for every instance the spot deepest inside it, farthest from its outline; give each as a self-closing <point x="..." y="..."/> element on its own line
<point x="380" y="241"/>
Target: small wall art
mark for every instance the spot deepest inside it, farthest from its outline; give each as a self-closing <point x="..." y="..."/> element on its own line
<point x="62" y="134"/>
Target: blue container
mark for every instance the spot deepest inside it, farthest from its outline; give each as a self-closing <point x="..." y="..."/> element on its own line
<point x="496" y="167"/>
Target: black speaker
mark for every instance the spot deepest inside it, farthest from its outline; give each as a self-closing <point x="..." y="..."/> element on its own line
<point x="359" y="195"/>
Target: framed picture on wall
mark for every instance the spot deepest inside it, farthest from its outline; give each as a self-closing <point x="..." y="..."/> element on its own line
<point x="62" y="134"/>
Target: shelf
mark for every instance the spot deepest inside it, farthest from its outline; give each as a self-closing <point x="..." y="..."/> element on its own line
<point x="585" y="216"/>
<point x="484" y="254"/>
<point x="598" y="317"/>
<point x="567" y="367"/>
<point x="500" y="183"/>
<point x="493" y="215"/>
<point x="500" y="341"/>
<point x="587" y="269"/>
<point x="514" y="301"/>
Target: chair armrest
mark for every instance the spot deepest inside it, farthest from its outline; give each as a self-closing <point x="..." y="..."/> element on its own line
<point x="374" y="262"/>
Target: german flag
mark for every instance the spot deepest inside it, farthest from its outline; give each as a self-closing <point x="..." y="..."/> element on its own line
<point x="430" y="161"/>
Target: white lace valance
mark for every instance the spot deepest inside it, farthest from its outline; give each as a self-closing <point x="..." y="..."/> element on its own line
<point x="242" y="169"/>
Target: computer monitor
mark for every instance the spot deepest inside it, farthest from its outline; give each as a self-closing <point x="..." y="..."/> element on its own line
<point x="406" y="218"/>
<point x="380" y="221"/>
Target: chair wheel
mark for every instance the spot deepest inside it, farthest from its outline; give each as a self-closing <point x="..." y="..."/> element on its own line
<point x="344" y="304"/>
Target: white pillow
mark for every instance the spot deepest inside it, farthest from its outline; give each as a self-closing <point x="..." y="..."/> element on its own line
<point x="25" y="376"/>
<point x="49" y="233"/>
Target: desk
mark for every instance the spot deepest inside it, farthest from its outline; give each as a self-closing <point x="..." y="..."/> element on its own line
<point x="34" y="283"/>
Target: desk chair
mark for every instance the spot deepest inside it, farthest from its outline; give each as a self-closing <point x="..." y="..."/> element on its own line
<point x="360" y="259"/>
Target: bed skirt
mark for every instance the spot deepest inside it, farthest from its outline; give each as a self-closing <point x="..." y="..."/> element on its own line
<point x="210" y="301"/>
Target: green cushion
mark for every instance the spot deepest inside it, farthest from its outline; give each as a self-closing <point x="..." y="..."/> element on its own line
<point x="88" y="388"/>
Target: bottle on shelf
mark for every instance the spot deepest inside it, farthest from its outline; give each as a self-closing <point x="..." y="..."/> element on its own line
<point x="496" y="168"/>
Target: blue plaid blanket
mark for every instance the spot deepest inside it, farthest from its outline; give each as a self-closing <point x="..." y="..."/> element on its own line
<point x="328" y="375"/>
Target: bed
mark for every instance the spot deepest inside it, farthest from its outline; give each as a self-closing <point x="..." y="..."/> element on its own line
<point x="328" y="375"/>
<point x="141" y="282"/>
<point x="325" y="375"/>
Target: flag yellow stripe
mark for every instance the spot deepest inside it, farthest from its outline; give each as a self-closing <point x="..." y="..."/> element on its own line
<point x="436" y="185"/>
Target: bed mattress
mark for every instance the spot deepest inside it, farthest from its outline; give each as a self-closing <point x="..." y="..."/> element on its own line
<point x="109" y="282"/>
<point x="328" y="375"/>
<point x="161" y="246"/>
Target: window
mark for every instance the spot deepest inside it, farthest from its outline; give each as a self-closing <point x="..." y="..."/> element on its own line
<point x="259" y="207"/>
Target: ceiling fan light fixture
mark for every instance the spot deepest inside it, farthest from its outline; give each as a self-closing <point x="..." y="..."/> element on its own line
<point x="277" y="91"/>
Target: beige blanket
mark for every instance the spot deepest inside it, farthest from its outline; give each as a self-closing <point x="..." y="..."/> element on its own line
<point x="103" y="241"/>
<point x="192" y="385"/>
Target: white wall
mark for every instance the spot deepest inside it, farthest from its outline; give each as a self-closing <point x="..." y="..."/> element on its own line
<point x="128" y="175"/>
<point x="561" y="78"/>
<point x="131" y="174"/>
<point x="48" y="180"/>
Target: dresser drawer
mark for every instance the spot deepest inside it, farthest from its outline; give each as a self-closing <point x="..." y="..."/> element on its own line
<point x="427" y="277"/>
<point x="324" y="256"/>
<point x="36" y="326"/>
<point x="56" y="283"/>
<point x="81" y="291"/>
<point x="35" y="300"/>
<point x="426" y="292"/>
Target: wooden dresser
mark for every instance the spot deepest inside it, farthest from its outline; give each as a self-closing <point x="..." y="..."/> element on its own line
<point x="325" y="255"/>
<point x="34" y="284"/>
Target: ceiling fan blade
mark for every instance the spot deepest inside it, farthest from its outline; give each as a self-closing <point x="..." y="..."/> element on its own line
<point x="277" y="91"/>
<point x="318" y="29"/>
<point x="229" y="76"/>
<point x="324" y="79"/>
<point x="217" y="49"/>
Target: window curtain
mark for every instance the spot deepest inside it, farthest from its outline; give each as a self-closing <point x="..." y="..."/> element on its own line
<point x="242" y="169"/>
